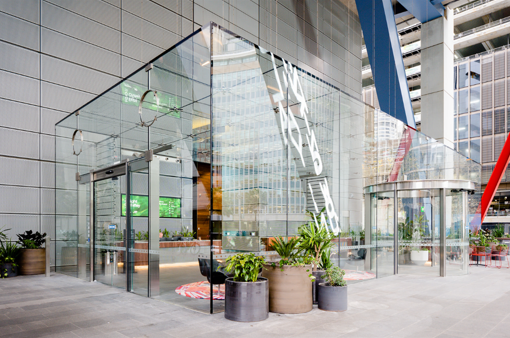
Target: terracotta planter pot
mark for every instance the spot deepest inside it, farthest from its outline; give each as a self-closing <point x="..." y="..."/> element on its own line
<point x="32" y="261"/>
<point x="290" y="290"/>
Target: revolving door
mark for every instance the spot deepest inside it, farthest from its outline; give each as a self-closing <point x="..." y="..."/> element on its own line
<point x="419" y="227"/>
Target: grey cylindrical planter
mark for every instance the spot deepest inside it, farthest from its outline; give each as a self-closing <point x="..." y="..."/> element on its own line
<point x="332" y="298"/>
<point x="315" y="287"/>
<point x="247" y="301"/>
<point x="12" y="271"/>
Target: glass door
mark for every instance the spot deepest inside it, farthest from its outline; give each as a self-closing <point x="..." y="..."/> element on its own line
<point x="109" y="233"/>
<point x="385" y="234"/>
<point x="418" y="231"/>
<point x="135" y="213"/>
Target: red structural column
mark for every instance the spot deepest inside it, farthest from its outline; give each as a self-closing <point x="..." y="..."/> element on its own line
<point x="495" y="179"/>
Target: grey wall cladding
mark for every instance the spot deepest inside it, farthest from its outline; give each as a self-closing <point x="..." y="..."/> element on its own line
<point x="56" y="55"/>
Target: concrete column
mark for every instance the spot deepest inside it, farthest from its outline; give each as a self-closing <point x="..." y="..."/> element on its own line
<point x="437" y="78"/>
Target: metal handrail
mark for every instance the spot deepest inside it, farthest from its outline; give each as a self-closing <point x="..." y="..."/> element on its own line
<point x="481" y="28"/>
<point x="482" y="54"/>
<point x="469" y="6"/>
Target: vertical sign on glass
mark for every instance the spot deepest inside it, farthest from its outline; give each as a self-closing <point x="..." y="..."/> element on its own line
<point x="292" y="132"/>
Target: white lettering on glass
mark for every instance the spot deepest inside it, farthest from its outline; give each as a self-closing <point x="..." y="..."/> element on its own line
<point x="289" y="120"/>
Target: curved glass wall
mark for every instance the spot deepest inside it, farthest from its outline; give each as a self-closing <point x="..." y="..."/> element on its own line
<point x="217" y="146"/>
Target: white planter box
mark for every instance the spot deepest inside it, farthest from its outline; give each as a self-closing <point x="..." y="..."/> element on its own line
<point x="419" y="257"/>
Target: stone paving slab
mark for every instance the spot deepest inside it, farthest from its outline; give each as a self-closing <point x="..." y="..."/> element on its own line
<point x="477" y="305"/>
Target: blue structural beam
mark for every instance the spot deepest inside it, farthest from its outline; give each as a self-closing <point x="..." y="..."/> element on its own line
<point x="385" y="56"/>
<point x="424" y="10"/>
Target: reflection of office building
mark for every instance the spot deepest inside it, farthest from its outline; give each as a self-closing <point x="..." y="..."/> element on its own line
<point x="481" y="39"/>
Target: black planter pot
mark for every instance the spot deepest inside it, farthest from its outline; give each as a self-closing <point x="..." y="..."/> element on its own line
<point x="247" y="301"/>
<point x="315" y="287"/>
<point x="332" y="298"/>
<point x="12" y="271"/>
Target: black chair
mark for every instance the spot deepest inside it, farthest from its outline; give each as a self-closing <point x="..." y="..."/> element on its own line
<point x="218" y="275"/>
<point x="360" y="255"/>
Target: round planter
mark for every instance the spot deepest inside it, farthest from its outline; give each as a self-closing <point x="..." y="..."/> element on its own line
<point x="419" y="257"/>
<point x="290" y="290"/>
<point x="332" y="298"/>
<point x="12" y="271"/>
<point x="315" y="286"/>
<point x="32" y="261"/>
<point x="246" y="301"/>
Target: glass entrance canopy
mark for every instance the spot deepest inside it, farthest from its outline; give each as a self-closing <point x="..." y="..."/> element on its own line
<point x="217" y="146"/>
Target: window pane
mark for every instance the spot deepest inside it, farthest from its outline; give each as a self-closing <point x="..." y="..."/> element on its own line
<point x="487" y="123"/>
<point x="475" y="150"/>
<point x="463" y="101"/>
<point x="455" y="103"/>
<point x="455" y="129"/>
<point x="475" y="72"/>
<point x="475" y="98"/>
<point x="463" y="75"/>
<point x="464" y="148"/>
<point x="499" y="121"/>
<point x="455" y="77"/>
<point x="475" y="125"/>
<point x="463" y="127"/>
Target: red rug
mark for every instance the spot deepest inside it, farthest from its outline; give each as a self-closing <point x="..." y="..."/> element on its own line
<point x="201" y="290"/>
<point x="358" y="275"/>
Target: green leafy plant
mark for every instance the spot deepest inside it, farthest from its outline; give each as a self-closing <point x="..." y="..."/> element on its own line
<point x="501" y="247"/>
<point x="314" y="240"/>
<point x="326" y="262"/>
<point x="34" y="239"/>
<point x="165" y="233"/>
<point x="246" y="267"/>
<point x="499" y="231"/>
<point x="362" y="235"/>
<point x="186" y="233"/>
<point x="3" y="234"/>
<point x="142" y="236"/>
<point x="286" y="248"/>
<point x="29" y="244"/>
<point x="9" y="252"/>
<point x="334" y="276"/>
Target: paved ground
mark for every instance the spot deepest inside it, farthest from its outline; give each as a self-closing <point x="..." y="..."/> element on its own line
<point x="477" y="305"/>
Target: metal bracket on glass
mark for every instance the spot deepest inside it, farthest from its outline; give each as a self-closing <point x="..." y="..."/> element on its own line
<point x="149" y="67"/>
<point x="149" y="155"/>
<point x="142" y="123"/>
<point x="78" y="177"/>
<point x="72" y="141"/>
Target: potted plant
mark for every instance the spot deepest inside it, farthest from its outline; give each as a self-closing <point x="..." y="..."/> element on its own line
<point x="362" y="237"/>
<point x="501" y="249"/>
<point x="290" y="280"/>
<point x="499" y="231"/>
<point x="9" y="252"/>
<point x="420" y="255"/>
<point x="246" y="294"/>
<point x="314" y="240"/>
<point x="186" y="235"/>
<point x="164" y="235"/>
<point x="32" y="258"/>
<point x="333" y="293"/>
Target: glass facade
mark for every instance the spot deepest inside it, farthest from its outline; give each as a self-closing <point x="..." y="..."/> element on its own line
<point x="218" y="146"/>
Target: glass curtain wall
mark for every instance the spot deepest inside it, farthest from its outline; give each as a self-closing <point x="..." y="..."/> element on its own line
<point x="227" y="146"/>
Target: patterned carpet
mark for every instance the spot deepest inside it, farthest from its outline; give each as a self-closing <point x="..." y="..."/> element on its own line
<point x="358" y="275"/>
<point x="201" y="290"/>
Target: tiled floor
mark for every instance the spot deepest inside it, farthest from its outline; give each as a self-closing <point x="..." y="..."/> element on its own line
<point x="477" y="305"/>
